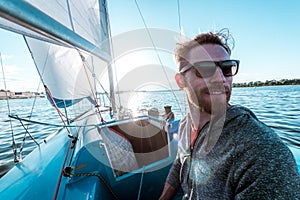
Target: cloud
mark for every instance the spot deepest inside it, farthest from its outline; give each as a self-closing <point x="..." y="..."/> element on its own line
<point x="11" y="69"/>
<point x="18" y="78"/>
<point x="6" y="57"/>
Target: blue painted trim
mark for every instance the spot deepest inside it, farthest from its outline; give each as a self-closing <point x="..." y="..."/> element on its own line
<point x="61" y="103"/>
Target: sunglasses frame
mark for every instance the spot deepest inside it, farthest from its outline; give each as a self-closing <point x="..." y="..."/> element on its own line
<point x="217" y="64"/>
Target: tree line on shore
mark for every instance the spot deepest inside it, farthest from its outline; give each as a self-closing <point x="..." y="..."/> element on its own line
<point x="250" y="84"/>
<point x="268" y="83"/>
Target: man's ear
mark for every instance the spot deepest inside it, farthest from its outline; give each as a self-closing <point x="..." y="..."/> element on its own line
<point x="179" y="80"/>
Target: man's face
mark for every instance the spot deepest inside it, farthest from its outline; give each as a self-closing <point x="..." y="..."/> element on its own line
<point x="210" y="94"/>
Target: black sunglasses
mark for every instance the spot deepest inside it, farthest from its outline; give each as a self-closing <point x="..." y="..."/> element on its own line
<point x="205" y="69"/>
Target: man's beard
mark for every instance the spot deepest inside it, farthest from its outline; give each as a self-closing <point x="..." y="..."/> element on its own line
<point x="215" y="106"/>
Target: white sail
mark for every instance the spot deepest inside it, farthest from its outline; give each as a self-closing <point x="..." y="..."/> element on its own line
<point x="61" y="69"/>
<point x="82" y="17"/>
<point x="68" y="74"/>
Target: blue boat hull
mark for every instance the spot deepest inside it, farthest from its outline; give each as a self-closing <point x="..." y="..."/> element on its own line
<point x="40" y="174"/>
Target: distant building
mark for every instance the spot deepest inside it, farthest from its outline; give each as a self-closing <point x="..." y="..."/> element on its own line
<point x="19" y="95"/>
<point x="3" y="94"/>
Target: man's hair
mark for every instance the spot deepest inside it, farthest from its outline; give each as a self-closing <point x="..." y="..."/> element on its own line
<point x="222" y="38"/>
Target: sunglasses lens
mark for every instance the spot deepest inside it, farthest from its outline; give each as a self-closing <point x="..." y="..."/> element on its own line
<point x="205" y="69"/>
<point x="229" y="68"/>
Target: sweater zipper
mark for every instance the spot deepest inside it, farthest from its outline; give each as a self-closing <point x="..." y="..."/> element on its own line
<point x="190" y="160"/>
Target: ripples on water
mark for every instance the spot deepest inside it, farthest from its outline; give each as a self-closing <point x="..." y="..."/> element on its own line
<point x="42" y="112"/>
<point x="278" y="107"/>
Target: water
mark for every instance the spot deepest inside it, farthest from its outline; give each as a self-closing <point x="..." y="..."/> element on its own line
<point x="277" y="106"/>
<point x="42" y="111"/>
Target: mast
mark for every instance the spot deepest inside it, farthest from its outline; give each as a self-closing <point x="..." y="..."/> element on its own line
<point x="104" y="20"/>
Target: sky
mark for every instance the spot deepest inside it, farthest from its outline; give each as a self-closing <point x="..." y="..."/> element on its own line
<point x="266" y="35"/>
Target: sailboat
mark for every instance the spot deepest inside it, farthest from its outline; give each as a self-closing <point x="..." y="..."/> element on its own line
<point x="102" y="152"/>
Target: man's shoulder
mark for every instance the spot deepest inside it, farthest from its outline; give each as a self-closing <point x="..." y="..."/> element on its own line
<point x="245" y="121"/>
<point x="246" y="130"/>
<point x="238" y="110"/>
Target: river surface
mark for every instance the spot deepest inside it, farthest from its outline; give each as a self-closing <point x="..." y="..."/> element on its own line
<point x="277" y="106"/>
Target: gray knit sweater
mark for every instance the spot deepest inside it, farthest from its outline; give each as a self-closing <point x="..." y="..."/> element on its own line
<point x="234" y="157"/>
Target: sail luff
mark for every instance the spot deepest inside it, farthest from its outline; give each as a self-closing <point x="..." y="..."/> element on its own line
<point x="24" y="14"/>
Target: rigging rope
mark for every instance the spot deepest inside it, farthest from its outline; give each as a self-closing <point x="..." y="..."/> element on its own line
<point x="28" y="134"/>
<point x="14" y="145"/>
<point x="32" y="108"/>
<point x="84" y="64"/>
<point x="179" y="17"/>
<point x="98" y="82"/>
<point x="41" y="73"/>
<point x="62" y="170"/>
<point x="158" y="56"/>
<point x="58" y="111"/>
<point x="69" y="143"/>
<point x="91" y="88"/>
<point x="48" y="124"/>
<point x="105" y="94"/>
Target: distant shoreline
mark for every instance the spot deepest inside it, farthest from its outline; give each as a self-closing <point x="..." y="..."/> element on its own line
<point x="10" y="98"/>
<point x="19" y="95"/>
<point x="26" y="95"/>
<point x="268" y="83"/>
